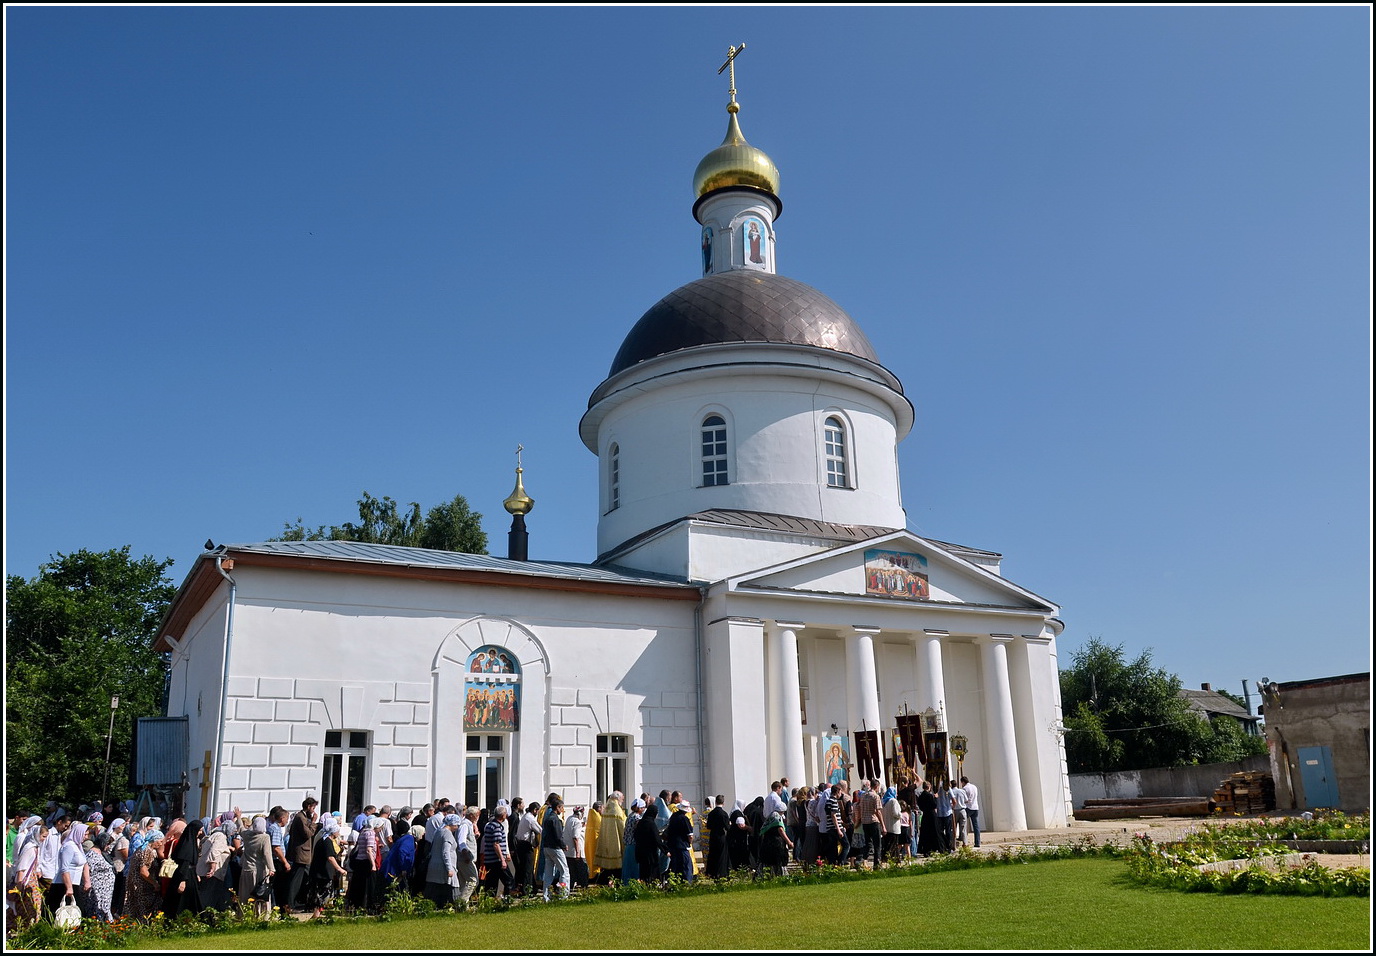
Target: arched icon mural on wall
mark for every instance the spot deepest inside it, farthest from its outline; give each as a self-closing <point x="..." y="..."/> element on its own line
<point x="492" y="690"/>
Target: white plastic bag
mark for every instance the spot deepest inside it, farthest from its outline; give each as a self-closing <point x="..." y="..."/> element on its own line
<point x="68" y="915"/>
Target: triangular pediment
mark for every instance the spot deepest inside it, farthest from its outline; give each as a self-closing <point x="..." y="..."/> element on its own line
<point x="900" y="566"/>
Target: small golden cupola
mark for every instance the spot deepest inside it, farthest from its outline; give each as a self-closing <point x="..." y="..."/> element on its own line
<point x="518" y="505"/>
<point x="735" y="163"/>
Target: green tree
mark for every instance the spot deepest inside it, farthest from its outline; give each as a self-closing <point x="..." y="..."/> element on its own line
<point x="1228" y="741"/>
<point x="452" y="526"/>
<point x="1127" y="715"/>
<point x="77" y="634"/>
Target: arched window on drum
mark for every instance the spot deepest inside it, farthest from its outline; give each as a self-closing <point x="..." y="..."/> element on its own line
<point x="715" y="470"/>
<point x="835" y="453"/>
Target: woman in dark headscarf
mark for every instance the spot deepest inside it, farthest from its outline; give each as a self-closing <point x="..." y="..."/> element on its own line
<point x="754" y="818"/>
<point x="630" y="868"/>
<point x="183" y="895"/>
<point x="738" y="838"/>
<point x="927" y="840"/>
<point x="95" y="902"/>
<point x="774" y="844"/>
<point x="718" y="824"/>
<point x="648" y="847"/>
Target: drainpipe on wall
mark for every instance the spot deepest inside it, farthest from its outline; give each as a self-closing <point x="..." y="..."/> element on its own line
<point x="702" y="731"/>
<point x="222" y="565"/>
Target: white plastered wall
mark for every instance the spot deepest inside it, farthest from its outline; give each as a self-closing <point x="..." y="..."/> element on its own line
<point x="317" y="651"/>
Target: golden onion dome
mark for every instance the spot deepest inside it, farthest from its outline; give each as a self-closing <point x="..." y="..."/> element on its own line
<point x="735" y="163"/>
<point x="518" y="502"/>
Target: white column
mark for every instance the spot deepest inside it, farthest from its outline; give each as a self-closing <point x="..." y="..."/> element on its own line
<point x="785" y="703"/>
<point x="931" y="679"/>
<point x="736" y="710"/>
<point x="1001" y="805"/>
<point x="862" y="681"/>
<point x="1034" y="679"/>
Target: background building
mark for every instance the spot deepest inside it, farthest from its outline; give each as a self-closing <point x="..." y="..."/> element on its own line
<point x="1319" y="732"/>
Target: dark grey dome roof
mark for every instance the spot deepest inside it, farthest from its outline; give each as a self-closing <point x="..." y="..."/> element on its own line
<point x="742" y="306"/>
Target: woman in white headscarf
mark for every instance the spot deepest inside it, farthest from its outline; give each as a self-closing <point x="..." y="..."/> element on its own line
<point x="73" y="873"/>
<point x="28" y="895"/>
<point x="326" y="871"/>
<point x="256" y="867"/>
<point x="119" y="862"/>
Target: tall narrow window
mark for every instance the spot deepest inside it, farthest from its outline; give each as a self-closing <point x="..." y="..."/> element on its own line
<point x="614" y="477"/>
<point x="345" y="772"/>
<point x="714" y="471"/>
<point x="484" y="780"/>
<point x="838" y="472"/>
<point x="613" y="764"/>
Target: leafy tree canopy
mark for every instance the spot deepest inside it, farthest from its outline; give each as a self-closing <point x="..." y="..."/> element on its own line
<point x="1125" y="714"/>
<point x="452" y="526"/>
<point x="77" y="634"/>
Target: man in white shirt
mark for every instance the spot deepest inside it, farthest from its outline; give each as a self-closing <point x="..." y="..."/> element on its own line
<point x="971" y="806"/>
<point x="959" y="801"/>
<point x="775" y="801"/>
<point x="527" y="838"/>
<point x="385" y="815"/>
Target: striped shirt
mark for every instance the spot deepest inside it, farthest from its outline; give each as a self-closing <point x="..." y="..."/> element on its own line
<point x="494" y="843"/>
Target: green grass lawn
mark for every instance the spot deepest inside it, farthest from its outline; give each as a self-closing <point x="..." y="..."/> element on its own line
<point x="1064" y="904"/>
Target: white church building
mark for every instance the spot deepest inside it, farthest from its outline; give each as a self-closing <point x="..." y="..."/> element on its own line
<point x="756" y="610"/>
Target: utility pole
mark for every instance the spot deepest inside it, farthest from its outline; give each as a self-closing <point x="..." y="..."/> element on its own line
<point x="109" y="739"/>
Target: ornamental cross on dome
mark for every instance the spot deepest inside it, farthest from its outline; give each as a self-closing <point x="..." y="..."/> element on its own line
<point x="731" y="54"/>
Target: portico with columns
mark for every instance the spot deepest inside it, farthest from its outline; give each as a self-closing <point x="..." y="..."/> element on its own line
<point x="795" y="660"/>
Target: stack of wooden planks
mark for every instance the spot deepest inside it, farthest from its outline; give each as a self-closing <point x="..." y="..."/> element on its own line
<point x="1251" y="791"/>
<point x="1128" y="807"/>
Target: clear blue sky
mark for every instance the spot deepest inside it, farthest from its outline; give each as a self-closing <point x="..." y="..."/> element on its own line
<point x="260" y="260"/>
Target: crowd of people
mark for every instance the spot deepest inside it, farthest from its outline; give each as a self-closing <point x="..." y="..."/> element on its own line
<point x="112" y="865"/>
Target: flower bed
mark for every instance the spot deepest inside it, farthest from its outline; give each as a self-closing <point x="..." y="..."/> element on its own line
<point x="1254" y="856"/>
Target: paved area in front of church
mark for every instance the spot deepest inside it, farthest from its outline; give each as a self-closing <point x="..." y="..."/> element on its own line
<point x="1099" y="831"/>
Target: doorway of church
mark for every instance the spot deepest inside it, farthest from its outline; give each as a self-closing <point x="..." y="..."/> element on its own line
<point x="484" y="780"/>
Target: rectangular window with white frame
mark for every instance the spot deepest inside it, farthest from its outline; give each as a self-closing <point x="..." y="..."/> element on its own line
<point x="344" y="780"/>
<point x="613" y="765"/>
<point x="485" y="765"/>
